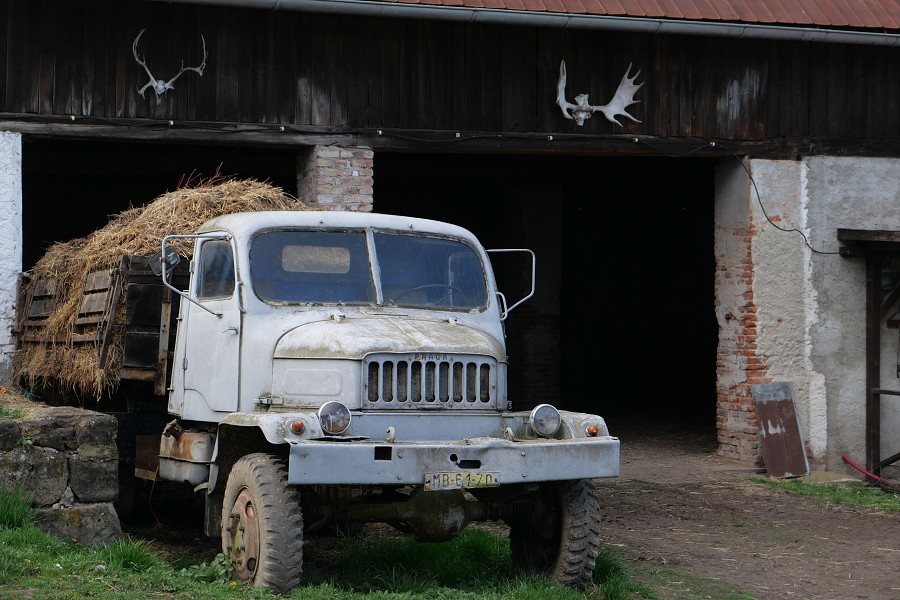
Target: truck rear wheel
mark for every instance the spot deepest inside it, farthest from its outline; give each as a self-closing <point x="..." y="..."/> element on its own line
<point x="560" y="539"/>
<point x="262" y="526"/>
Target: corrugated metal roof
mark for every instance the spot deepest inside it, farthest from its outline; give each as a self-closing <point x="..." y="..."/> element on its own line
<point x="853" y="14"/>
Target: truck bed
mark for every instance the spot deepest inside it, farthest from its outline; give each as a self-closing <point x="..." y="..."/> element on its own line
<point x="126" y="305"/>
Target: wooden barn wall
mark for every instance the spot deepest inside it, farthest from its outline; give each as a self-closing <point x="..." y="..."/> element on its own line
<point x="352" y="73"/>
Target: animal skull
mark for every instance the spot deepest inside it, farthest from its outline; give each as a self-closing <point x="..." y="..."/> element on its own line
<point x="582" y="110"/>
<point x="159" y="86"/>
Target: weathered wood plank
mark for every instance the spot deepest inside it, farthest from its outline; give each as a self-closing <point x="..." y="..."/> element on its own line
<point x="228" y="58"/>
<point x="410" y="77"/>
<point x="320" y="72"/>
<point x="492" y="79"/>
<point x="360" y="49"/>
<point x="19" y="68"/>
<point x="285" y="75"/>
<point x="6" y="23"/>
<point x="93" y="303"/>
<point x="456" y="75"/>
<point x="41" y="307"/>
<point x="519" y="104"/>
<point x="389" y="91"/>
<point x="303" y="75"/>
<point x="97" y="281"/>
<point x="891" y="66"/>
<point x="339" y="73"/>
<point x="254" y="70"/>
<point x="474" y="81"/>
<point x="426" y="95"/>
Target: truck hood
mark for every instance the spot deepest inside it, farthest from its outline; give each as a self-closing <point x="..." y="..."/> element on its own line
<point x="353" y="338"/>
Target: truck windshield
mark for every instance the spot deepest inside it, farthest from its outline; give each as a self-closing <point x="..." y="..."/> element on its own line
<point x="322" y="267"/>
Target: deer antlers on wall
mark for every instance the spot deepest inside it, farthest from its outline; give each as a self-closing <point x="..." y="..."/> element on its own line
<point x="582" y="110"/>
<point x="159" y="86"/>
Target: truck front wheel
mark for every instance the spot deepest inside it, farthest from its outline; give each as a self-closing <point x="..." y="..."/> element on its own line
<point x="262" y="526"/>
<point x="560" y="538"/>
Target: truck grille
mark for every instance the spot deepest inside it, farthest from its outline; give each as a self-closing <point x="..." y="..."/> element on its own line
<point x="429" y="380"/>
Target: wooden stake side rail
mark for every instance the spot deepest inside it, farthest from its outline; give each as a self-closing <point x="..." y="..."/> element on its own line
<point x="146" y="319"/>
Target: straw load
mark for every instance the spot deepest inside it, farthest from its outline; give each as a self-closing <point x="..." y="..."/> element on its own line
<point x="55" y="354"/>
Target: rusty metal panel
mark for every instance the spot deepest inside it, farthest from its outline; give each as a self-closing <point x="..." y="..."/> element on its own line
<point x="146" y="456"/>
<point x="779" y="432"/>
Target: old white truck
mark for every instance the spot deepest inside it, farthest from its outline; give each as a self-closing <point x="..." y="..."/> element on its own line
<point x="334" y="368"/>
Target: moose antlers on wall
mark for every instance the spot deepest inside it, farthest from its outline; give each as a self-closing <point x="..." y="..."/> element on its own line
<point x="582" y="110"/>
<point x="159" y="86"/>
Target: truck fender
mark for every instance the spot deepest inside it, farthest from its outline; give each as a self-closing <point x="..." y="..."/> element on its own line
<point x="240" y="434"/>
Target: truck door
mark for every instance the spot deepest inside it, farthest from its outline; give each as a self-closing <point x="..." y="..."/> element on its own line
<point x="211" y="365"/>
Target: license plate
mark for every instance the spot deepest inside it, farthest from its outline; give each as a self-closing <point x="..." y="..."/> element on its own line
<point x="456" y="480"/>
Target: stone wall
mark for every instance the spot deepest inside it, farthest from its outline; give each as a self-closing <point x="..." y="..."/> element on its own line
<point x="67" y="459"/>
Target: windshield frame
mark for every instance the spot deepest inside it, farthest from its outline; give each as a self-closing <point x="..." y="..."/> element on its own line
<point x="433" y="286"/>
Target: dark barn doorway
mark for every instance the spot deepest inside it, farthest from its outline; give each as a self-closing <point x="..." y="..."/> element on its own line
<point x="623" y="321"/>
<point x="71" y="188"/>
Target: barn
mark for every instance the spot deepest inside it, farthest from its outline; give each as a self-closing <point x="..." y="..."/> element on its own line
<point x="712" y="189"/>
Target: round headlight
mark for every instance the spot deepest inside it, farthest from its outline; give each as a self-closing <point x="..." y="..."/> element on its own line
<point x="334" y="418"/>
<point x="545" y="420"/>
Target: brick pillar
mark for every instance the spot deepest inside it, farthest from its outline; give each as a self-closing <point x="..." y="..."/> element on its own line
<point x="738" y="363"/>
<point x="335" y="178"/>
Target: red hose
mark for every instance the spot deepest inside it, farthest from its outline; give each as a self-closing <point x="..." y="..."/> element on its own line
<point x="860" y="469"/>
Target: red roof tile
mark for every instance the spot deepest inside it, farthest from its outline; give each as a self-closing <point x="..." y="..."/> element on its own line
<point x="861" y="14"/>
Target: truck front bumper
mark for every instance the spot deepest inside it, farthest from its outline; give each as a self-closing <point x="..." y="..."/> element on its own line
<point x="498" y="461"/>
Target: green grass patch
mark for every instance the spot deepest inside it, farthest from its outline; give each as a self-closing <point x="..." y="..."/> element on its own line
<point x="15" y="506"/>
<point x="135" y="556"/>
<point x="474" y="566"/>
<point x="673" y="583"/>
<point x="856" y="493"/>
<point x="10" y="414"/>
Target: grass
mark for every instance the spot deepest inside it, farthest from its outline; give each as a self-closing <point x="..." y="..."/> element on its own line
<point x="11" y="414"/>
<point x="856" y="493"/>
<point x="475" y="565"/>
<point x="15" y="507"/>
<point x="685" y="586"/>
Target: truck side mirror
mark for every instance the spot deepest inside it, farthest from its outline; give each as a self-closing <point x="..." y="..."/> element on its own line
<point x="170" y="261"/>
<point x="504" y="308"/>
<point x="167" y="254"/>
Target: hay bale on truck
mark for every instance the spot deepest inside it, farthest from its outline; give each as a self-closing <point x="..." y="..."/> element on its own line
<point x="90" y="312"/>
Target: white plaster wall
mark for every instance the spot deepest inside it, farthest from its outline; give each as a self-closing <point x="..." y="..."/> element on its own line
<point x="851" y="193"/>
<point x="785" y="295"/>
<point x="730" y="218"/>
<point x="811" y="301"/>
<point x="10" y="241"/>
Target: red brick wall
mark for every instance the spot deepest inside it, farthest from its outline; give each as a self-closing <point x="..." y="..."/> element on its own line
<point x="738" y="366"/>
<point x="336" y="178"/>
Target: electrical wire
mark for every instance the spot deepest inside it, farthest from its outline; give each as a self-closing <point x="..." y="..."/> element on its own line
<point x="150" y="497"/>
<point x="752" y="181"/>
<point x="763" y="208"/>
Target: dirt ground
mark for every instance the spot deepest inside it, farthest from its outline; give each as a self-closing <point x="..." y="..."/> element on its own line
<point x="677" y="505"/>
<point x="678" y="508"/>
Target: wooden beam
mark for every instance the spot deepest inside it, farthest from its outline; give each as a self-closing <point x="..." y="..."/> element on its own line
<point x="288" y="136"/>
<point x="873" y="361"/>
